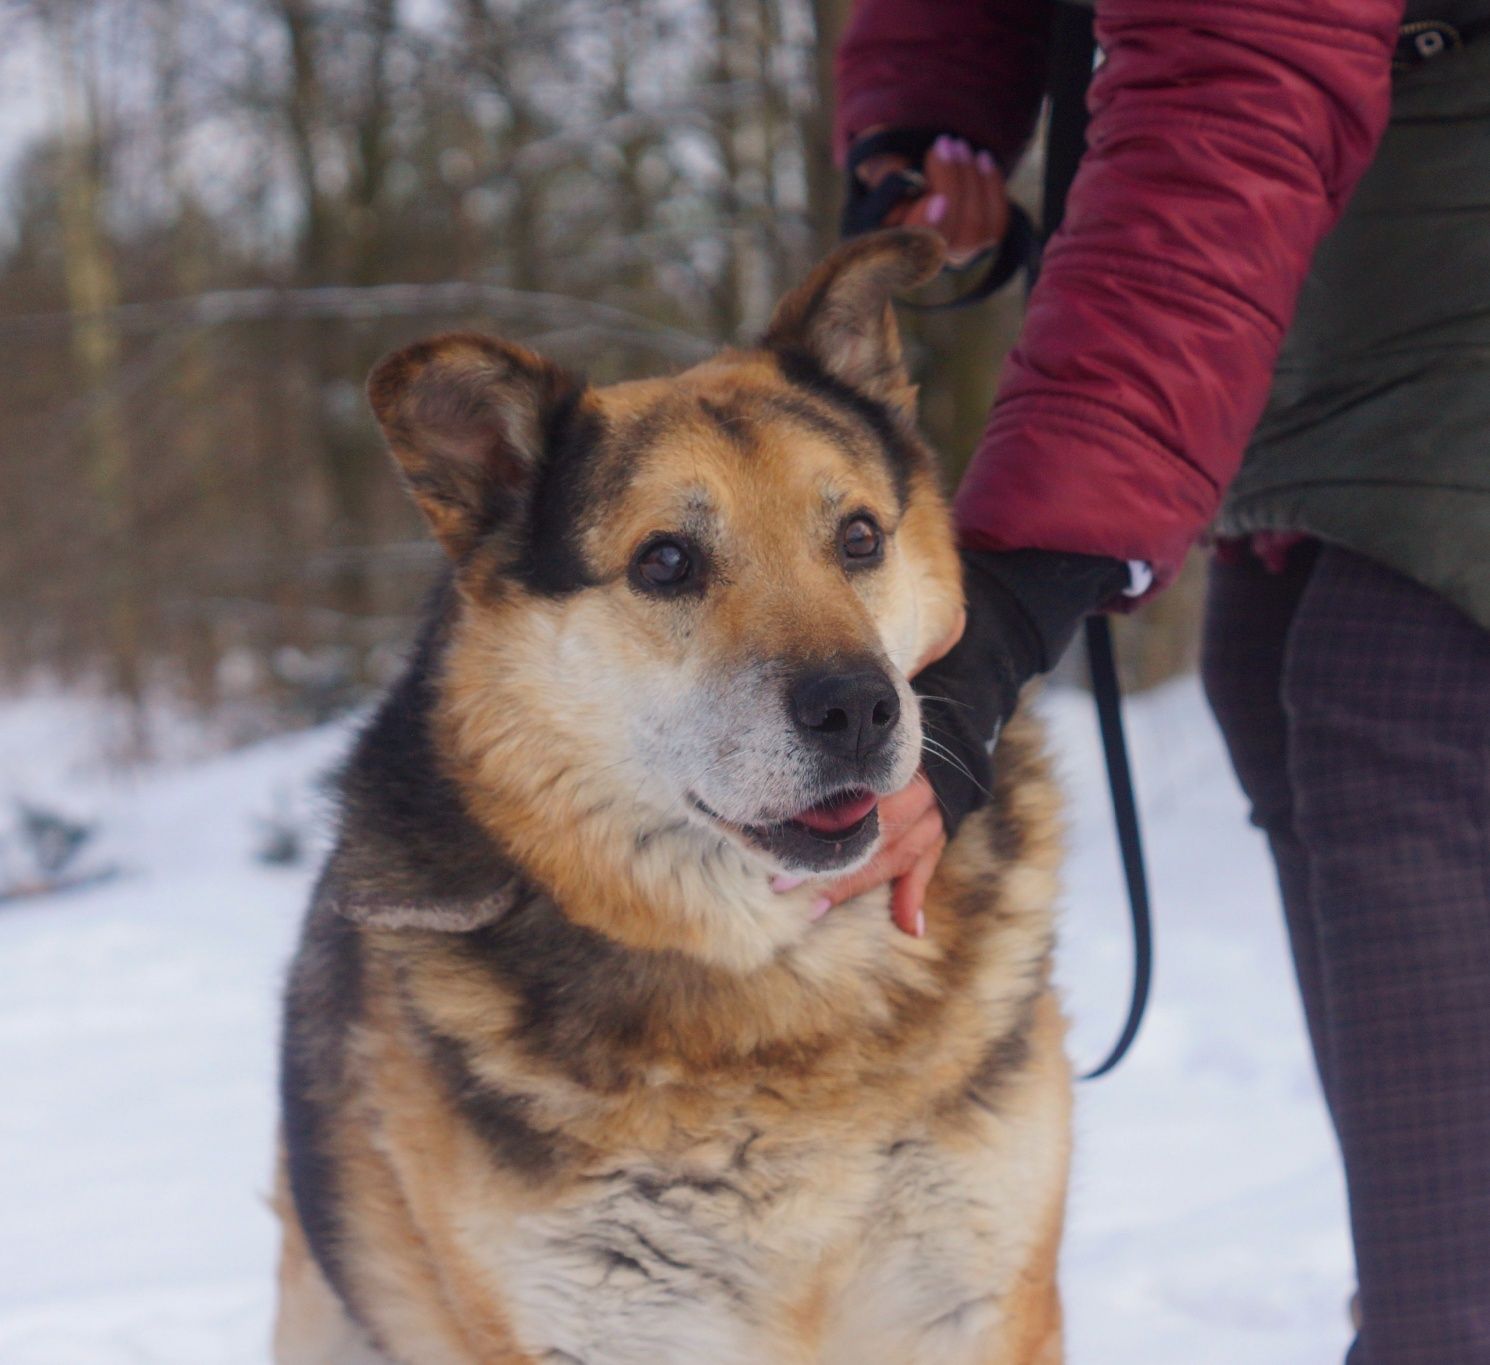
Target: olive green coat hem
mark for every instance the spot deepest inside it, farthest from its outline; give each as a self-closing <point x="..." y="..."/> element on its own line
<point x="1402" y="529"/>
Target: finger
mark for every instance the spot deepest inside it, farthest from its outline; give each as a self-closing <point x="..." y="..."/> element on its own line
<point x="909" y="830"/>
<point x="926" y="838"/>
<point x="908" y="895"/>
<point x="890" y="862"/>
<point x="933" y="208"/>
<point x="997" y="192"/>
<point x="986" y="206"/>
<point x="930" y="211"/>
<point x="977" y="209"/>
<point x="900" y="810"/>
<point x="977" y="230"/>
<point x="952" y="162"/>
<point x="957" y="177"/>
<point x="939" y="166"/>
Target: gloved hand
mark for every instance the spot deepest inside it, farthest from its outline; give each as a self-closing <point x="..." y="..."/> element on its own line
<point x="1023" y="608"/>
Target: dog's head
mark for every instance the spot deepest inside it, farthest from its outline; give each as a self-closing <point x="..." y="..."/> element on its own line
<point x="691" y="604"/>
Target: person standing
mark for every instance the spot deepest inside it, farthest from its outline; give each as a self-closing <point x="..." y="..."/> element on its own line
<point x="1267" y="310"/>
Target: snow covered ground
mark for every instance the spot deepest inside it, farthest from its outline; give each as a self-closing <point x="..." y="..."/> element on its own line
<point x="137" y="1024"/>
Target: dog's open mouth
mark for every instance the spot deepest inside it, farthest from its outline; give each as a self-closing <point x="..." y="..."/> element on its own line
<point x="822" y="838"/>
<point x="839" y="816"/>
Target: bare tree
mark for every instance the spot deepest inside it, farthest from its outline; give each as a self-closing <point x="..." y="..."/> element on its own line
<point x="92" y="290"/>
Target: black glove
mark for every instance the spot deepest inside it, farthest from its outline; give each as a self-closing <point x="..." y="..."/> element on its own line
<point x="1023" y="607"/>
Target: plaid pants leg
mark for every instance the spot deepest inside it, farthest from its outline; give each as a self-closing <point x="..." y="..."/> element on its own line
<point x="1385" y="689"/>
<point x="1248" y="615"/>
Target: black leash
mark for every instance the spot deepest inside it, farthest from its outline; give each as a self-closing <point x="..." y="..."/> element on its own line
<point x="1107" y="692"/>
<point x="1073" y="51"/>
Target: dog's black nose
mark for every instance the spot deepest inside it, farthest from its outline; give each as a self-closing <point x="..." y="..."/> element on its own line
<point x="848" y="714"/>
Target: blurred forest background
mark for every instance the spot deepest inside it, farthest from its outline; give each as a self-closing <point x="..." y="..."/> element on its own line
<point x="218" y="217"/>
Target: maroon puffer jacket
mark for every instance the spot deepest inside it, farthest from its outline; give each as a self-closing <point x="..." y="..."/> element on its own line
<point x="1226" y="136"/>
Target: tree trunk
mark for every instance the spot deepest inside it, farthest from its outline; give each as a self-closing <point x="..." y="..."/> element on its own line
<point x="92" y="293"/>
<point x="824" y="183"/>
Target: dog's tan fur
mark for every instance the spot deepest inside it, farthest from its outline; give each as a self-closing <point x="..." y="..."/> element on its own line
<point x="636" y="1107"/>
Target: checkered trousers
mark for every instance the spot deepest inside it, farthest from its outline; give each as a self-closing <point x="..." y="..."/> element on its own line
<point x="1356" y="707"/>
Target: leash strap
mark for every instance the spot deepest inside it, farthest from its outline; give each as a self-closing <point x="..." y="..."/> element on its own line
<point x="1073" y="51"/>
<point x="1107" y="691"/>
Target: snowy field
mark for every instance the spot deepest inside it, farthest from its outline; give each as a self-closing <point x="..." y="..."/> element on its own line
<point x="137" y="1024"/>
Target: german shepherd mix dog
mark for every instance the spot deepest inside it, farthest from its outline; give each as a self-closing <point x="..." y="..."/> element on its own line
<point x="564" y="1079"/>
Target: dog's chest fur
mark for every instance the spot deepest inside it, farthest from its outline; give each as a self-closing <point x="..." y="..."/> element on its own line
<point x="848" y="1252"/>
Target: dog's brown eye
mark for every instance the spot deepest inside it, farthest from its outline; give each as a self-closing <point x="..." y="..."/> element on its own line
<point x="664" y="564"/>
<point x="861" y="539"/>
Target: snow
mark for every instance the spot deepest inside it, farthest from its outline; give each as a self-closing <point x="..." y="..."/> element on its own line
<point x="137" y="1036"/>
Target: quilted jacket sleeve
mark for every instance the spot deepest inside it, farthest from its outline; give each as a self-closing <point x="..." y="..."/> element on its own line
<point x="1225" y="140"/>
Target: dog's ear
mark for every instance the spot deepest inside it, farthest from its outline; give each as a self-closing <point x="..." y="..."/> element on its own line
<point x="841" y="317"/>
<point x="468" y="418"/>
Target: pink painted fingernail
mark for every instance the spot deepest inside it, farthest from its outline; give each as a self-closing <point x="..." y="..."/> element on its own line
<point x="936" y="208"/>
<point x="820" y="907"/>
<point x="944" y="147"/>
<point x="986" y="163"/>
<point x="961" y="151"/>
<point x="920" y="924"/>
<point x="783" y="882"/>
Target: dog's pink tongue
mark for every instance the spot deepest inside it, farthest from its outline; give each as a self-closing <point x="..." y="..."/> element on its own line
<point x="839" y="813"/>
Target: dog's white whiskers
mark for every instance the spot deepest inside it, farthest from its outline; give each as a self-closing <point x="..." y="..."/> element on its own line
<point x="951" y="701"/>
<point x="942" y="751"/>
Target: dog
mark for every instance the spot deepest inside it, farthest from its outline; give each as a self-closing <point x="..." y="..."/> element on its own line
<point x="564" y="1078"/>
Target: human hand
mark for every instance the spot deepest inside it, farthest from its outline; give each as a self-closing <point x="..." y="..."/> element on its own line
<point x="965" y="199"/>
<point x="914" y="836"/>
